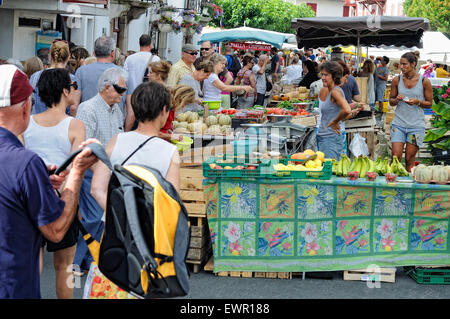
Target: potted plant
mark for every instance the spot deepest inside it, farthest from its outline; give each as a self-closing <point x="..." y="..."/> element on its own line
<point x="167" y="11"/>
<point x="212" y="10"/>
<point x="438" y="137"/>
<point x="164" y="24"/>
<point x="188" y="15"/>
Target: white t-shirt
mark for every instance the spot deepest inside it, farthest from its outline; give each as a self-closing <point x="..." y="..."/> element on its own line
<point x="294" y="72"/>
<point x="210" y="92"/>
<point x="260" y="80"/>
<point x="135" y="65"/>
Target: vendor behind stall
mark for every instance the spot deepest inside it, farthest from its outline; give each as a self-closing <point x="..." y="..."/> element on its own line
<point x="411" y="93"/>
<point x="334" y="109"/>
<point x="310" y="74"/>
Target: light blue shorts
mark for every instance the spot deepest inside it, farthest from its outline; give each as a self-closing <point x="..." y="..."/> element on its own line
<point x="330" y="145"/>
<point x="379" y="93"/>
<point x="413" y="136"/>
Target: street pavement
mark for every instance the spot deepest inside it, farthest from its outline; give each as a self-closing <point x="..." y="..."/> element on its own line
<point x="205" y="285"/>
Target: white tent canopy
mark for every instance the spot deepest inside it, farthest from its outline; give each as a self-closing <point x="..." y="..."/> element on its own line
<point x="436" y="47"/>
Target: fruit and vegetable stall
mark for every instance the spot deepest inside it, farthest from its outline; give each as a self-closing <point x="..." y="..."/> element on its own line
<point x="303" y="212"/>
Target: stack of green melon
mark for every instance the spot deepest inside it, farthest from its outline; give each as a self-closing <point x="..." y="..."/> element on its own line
<point x="439" y="174"/>
<point x="191" y="122"/>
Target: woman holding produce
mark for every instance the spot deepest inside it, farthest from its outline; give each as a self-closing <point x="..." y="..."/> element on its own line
<point x="247" y="77"/>
<point x="213" y="86"/>
<point x="333" y="109"/>
<point x="411" y="93"/>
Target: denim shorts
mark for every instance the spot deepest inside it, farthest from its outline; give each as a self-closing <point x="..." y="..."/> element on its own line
<point x="379" y="93"/>
<point x="330" y="145"/>
<point x="413" y="136"/>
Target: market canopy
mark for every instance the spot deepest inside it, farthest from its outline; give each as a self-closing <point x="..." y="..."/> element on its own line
<point x="276" y="39"/>
<point x="359" y="31"/>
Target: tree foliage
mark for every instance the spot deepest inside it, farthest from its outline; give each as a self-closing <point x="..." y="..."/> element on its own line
<point x="274" y="15"/>
<point x="437" y="11"/>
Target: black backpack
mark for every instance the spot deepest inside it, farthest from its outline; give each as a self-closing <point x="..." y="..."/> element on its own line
<point x="235" y="65"/>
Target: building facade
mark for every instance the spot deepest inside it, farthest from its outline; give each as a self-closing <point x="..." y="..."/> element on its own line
<point x="349" y="8"/>
<point x="25" y="25"/>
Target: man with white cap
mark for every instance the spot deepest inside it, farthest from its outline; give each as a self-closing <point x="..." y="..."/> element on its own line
<point x="29" y="205"/>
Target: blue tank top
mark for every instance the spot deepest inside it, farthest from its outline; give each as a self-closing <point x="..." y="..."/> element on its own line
<point x="328" y="112"/>
<point x="410" y="116"/>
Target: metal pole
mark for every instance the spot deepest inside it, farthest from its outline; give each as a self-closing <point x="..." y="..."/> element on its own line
<point x="359" y="54"/>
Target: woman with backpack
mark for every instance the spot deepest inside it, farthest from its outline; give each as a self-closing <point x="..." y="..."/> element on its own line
<point x="247" y="77"/>
<point x="54" y="135"/>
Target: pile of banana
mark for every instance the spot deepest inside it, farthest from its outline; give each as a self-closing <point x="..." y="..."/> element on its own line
<point x="382" y="167"/>
<point x="361" y="164"/>
<point x="364" y="165"/>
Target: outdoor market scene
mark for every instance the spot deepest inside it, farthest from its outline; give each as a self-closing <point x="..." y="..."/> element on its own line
<point x="152" y="148"/>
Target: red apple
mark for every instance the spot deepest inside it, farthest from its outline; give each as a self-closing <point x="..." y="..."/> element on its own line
<point x="251" y="167"/>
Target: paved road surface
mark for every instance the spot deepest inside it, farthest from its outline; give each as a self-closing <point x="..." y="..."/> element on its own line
<point x="205" y="285"/>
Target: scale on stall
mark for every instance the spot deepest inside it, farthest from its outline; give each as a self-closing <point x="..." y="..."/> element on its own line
<point x="283" y="136"/>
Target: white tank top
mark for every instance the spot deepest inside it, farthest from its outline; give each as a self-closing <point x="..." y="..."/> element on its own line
<point x="157" y="153"/>
<point x="52" y="143"/>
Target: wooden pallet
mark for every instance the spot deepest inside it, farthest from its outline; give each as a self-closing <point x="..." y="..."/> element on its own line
<point x="209" y="266"/>
<point x="384" y="275"/>
<point x="251" y="274"/>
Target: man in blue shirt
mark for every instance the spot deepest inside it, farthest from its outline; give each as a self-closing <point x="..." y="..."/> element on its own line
<point x="29" y="205"/>
<point x="381" y="76"/>
<point x="88" y="75"/>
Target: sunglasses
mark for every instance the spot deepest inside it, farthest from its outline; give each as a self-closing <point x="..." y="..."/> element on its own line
<point x="191" y="53"/>
<point x="119" y="89"/>
<point x="74" y="85"/>
<point x="205" y="49"/>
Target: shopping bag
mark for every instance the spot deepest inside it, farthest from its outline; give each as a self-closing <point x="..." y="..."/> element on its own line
<point x="97" y="286"/>
<point x="358" y="146"/>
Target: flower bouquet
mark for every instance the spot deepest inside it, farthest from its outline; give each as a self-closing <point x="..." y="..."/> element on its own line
<point x="212" y="10"/>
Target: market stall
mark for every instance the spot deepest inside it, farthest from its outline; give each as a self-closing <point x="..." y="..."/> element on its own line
<point x="243" y="34"/>
<point x="371" y="31"/>
<point x="288" y="216"/>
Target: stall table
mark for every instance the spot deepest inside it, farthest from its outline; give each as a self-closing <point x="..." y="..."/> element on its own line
<point x="298" y="225"/>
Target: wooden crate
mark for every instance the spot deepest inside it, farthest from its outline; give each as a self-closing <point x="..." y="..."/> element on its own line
<point x="383" y="274"/>
<point x="200" y="245"/>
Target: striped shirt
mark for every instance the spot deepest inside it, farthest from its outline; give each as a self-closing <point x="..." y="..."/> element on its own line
<point x="101" y="120"/>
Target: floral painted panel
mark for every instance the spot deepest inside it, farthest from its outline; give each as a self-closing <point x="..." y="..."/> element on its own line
<point x="276" y="239"/>
<point x="390" y="234"/>
<point x="429" y="235"/>
<point x="393" y="202"/>
<point x="238" y="238"/>
<point x="238" y="200"/>
<point x="432" y="204"/>
<point x="315" y="238"/>
<point x="353" y="201"/>
<point x="214" y="231"/>
<point x="211" y="198"/>
<point x="277" y="201"/>
<point x="315" y="201"/>
<point x="352" y="236"/>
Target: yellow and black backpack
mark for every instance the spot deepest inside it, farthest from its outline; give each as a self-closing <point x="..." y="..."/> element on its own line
<point x="146" y="237"/>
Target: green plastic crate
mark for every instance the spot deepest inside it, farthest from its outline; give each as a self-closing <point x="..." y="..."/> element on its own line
<point x="324" y="174"/>
<point x="262" y="168"/>
<point x="430" y="276"/>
